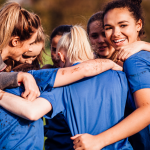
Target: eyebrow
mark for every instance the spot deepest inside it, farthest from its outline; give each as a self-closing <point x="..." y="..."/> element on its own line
<point x="33" y="42"/>
<point x="124" y="21"/>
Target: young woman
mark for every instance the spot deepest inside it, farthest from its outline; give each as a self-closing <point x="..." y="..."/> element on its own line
<point x="33" y="55"/>
<point x="32" y="132"/>
<point x="54" y="38"/>
<point x="97" y="37"/>
<point x="81" y="109"/>
<point x="18" y="31"/>
<point x="123" y="24"/>
<point x="60" y="139"/>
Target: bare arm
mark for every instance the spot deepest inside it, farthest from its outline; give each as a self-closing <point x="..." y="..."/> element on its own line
<point x="86" y="69"/>
<point x="132" y="124"/>
<point x="37" y="108"/>
<point x="32" y="110"/>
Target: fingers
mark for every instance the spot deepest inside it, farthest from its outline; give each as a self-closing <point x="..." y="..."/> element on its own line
<point x="31" y="89"/>
<point x="30" y="94"/>
<point x="78" y="146"/>
<point x="74" y="137"/>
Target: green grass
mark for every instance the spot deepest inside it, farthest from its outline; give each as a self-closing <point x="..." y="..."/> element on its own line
<point x="47" y="58"/>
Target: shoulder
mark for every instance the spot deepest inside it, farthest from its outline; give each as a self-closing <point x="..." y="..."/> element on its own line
<point x="137" y="62"/>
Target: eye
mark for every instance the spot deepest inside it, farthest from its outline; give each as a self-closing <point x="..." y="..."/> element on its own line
<point x="53" y="49"/>
<point x="26" y="57"/>
<point x="32" y="43"/>
<point x="123" y="25"/>
<point x="108" y="28"/>
<point x="94" y="35"/>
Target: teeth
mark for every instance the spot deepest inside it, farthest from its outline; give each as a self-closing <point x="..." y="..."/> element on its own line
<point x="116" y="41"/>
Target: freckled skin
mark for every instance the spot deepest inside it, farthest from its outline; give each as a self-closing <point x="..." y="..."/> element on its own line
<point x="63" y="72"/>
<point x="75" y="69"/>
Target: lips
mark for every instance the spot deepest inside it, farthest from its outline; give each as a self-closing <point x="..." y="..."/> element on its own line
<point x="119" y="42"/>
<point x="101" y="48"/>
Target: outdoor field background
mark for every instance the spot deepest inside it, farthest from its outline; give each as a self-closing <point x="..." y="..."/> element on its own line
<point x="57" y="12"/>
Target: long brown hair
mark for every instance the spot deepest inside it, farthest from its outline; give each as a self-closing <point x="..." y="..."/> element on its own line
<point x="16" y="21"/>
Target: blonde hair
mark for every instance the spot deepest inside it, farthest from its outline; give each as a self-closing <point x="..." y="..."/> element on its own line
<point x="76" y="45"/>
<point x="16" y="21"/>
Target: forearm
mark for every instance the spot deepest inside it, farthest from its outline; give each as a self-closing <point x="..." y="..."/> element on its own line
<point x="31" y="110"/>
<point x="86" y="69"/>
<point x="135" y="122"/>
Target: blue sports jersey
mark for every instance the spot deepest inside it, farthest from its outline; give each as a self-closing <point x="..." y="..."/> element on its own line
<point x="137" y="69"/>
<point x="20" y="134"/>
<point x="92" y="105"/>
<point x="58" y="133"/>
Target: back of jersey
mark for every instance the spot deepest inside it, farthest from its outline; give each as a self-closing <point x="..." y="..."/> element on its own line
<point x="93" y="105"/>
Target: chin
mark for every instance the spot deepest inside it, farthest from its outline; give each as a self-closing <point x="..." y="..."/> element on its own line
<point x="104" y="54"/>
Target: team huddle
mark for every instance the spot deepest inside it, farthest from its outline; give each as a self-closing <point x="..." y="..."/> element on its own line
<point x="94" y="96"/>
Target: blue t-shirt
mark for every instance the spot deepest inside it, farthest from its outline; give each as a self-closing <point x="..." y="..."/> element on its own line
<point x="93" y="105"/>
<point x="137" y="69"/>
<point x="58" y="133"/>
<point x="21" y="134"/>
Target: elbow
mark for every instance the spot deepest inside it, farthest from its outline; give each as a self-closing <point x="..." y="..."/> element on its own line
<point x="31" y="115"/>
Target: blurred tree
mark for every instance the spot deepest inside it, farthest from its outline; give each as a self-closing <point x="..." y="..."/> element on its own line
<point x="146" y="7"/>
<point x="57" y="12"/>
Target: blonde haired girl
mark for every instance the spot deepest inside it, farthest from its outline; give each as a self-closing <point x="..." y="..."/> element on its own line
<point x="74" y="47"/>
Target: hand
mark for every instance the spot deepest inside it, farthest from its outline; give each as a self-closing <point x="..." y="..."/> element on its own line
<point x="31" y="89"/>
<point x="128" y="50"/>
<point x="117" y="67"/>
<point x="85" y="142"/>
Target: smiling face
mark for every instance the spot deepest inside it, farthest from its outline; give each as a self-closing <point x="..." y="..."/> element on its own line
<point x="98" y="40"/>
<point x="120" y="27"/>
<point x="32" y="54"/>
<point x="20" y="48"/>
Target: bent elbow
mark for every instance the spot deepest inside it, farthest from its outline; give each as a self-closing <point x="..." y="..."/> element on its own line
<point x="31" y="115"/>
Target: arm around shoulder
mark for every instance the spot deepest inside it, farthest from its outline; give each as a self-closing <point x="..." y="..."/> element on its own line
<point x="85" y="69"/>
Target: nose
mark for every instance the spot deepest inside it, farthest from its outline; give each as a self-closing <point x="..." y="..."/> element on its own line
<point x="29" y="61"/>
<point x="101" y="39"/>
<point x="116" y="32"/>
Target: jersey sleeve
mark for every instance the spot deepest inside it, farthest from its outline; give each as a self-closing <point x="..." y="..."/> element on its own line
<point x="55" y="97"/>
<point x="45" y="78"/>
<point x="137" y="69"/>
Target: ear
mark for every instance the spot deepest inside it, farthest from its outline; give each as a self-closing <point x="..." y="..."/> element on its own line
<point x="62" y="57"/>
<point x="15" y="41"/>
<point x="139" y="25"/>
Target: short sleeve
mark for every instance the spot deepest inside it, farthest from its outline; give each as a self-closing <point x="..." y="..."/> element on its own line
<point x="55" y="97"/>
<point x="45" y="78"/>
<point x="137" y="69"/>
